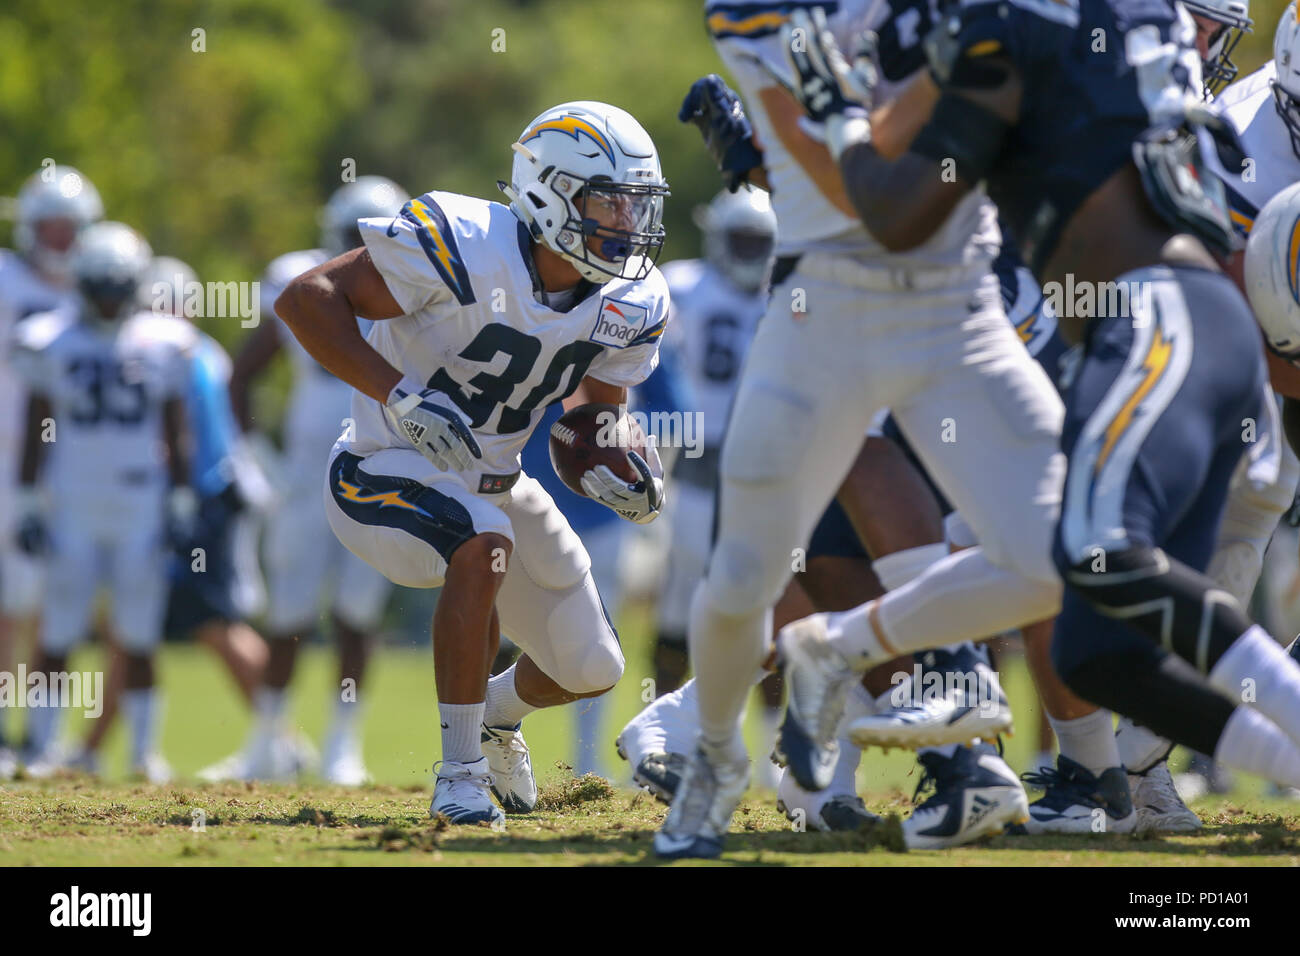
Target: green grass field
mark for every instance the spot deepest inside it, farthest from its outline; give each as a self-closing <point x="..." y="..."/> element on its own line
<point x="79" y="821"/>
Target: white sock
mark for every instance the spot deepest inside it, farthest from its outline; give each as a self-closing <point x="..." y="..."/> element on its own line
<point x="1254" y="744"/>
<point x="140" y="708"/>
<point x="269" y="702"/>
<point x="43" y="725"/>
<point x="1139" y="748"/>
<point x="504" y="707"/>
<point x="1255" y="670"/>
<point x="1089" y="741"/>
<point x="726" y="651"/>
<point x="345" y="716"/>
<point x="963" y="597"/>
<point x="461" y="729"/>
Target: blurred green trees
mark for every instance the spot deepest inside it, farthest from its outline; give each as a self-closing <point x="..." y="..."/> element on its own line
<point x="221" y="145"/>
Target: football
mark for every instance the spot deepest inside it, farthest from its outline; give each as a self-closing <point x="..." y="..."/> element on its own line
<point x="591" y="435"/>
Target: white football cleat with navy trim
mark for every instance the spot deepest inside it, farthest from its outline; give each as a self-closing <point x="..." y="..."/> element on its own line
<point x="512" y="768"/>
<point x="1159" y="807"/>
<point x="463" y="793"/>
<point x="817" y="679"/>
<point x="975" y="795"/>
<point x="702" y="808"/>
<point x="935" y="720"/>
<point x="1077" y="801"/>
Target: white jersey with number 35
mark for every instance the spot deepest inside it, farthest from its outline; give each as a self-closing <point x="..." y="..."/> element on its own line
<point x="476" y="327"/>
<point x="106" y="387"/>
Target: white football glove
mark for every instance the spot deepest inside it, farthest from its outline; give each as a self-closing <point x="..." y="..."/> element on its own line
<point x="639" y="502"/>
<point x="439" y="433"/>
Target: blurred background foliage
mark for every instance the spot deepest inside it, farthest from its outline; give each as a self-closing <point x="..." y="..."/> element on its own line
<point x="223" y="157"/>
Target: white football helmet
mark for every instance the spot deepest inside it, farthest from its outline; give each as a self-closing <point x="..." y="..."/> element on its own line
<point x="108" y="263"/>
<point x="55" y="192"/>
<point x="1286" y="63"/>
<point x="163" y="287"/>
<point x="1272" y="272"/>
<point x="369" y="196"/>
<point x="588" y="171"/>
<point x="739" y="235"/>
<point x="1234" y="18"/>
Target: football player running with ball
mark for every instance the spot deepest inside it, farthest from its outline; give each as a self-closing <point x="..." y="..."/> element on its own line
<point x="483" y="315"/>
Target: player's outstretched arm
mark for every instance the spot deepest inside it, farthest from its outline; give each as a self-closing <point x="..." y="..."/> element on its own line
<point x="321" y="307"/>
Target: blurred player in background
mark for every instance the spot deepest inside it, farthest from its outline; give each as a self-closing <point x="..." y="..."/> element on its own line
<point x="54" y="205"/>
<point x="305" y="563"/>
<point x="214" y="592"/>
<point x="105" y="478"/>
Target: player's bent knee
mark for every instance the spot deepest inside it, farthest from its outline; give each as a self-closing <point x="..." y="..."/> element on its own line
<point x="486" y="552"/>
<point x="738" y="582"/>
<point x="600" y="669"/>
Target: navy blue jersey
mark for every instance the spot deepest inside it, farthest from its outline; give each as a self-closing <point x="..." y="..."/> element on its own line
<point x="899" y="48"/>
<point x="1085" y="100"/>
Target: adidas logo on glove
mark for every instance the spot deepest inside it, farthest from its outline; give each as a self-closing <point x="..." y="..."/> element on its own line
<point x="414" y="430"/>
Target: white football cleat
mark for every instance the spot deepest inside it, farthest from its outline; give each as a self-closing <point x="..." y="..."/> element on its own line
<point x="975" y="795"/>
<point x="463" y="793"/>
<point x="269" y="758"/>
<point x="1159" y="807"/>
<point x="701" y="811"/>
<point x="932" y="721"/>
<point x="55" y="759"/>
<point x="826" y="810"/>
<point x="8" y="764"/>
<point x="817" y="680"/>
<point x="511" y="766"/>
<point x="154" y="769"/>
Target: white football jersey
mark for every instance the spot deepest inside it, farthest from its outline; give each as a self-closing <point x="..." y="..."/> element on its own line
<point x="107" y="386"/>
<point x="476" y="329"/>
<point x="713" y="324"/>
<point x="747" y="36"/>
<point x="1250" y="107"/>
<point x="319" y="402"/>
<point x="22" y="293"/>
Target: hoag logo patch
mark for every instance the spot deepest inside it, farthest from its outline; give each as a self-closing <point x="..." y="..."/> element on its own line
<point x="618" y="323"/>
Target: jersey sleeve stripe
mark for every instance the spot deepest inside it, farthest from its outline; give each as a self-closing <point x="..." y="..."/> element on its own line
<point x="650" y="334"/>
<point x="1241" y="211"/>
<point x="439" y="244"/>
<point x="751" y="21"/>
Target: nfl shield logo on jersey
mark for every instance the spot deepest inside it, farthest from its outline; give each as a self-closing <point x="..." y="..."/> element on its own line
<point x="618" y="323"/>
